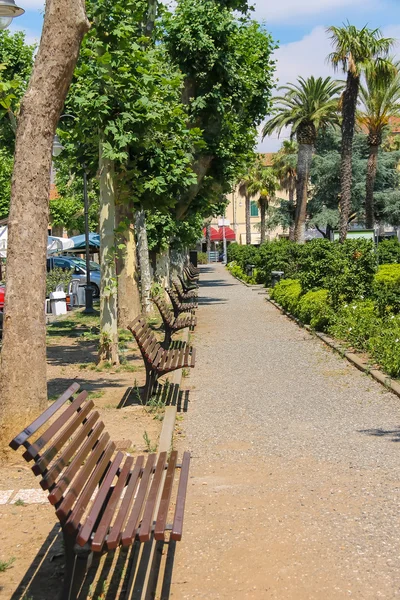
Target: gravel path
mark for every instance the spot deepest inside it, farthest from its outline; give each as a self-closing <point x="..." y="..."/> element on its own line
<point x="295" y="480"/>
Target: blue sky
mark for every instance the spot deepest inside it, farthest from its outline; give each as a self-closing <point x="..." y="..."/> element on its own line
<point x="298" y="25"/>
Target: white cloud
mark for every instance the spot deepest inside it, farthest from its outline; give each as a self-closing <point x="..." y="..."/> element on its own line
<point x="288" y="10"/>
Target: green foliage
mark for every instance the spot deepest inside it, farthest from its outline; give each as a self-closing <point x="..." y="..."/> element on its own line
<point x="280" y="255"/>
<point x="6" y="167"/>
<point x="202" y="258"/>
<point x="315" y="310"/>
<point x="238" y="272"/>
<point x="387" y="288"/>
<point x="56" y="277"/>
<point x="384" y="346"/>
<point x="287" y="294"/>
<point x="356" y="323"/>
<point x="388" y="251"/>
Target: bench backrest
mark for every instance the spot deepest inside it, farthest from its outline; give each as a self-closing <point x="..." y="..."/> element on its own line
<point x="174" y="299"/>
<point x="165" y="312"/>
<point x="148" y="344"/>
<point x="71" y="453"/>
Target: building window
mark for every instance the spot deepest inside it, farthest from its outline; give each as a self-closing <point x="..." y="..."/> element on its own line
<point x="253" y="209"/>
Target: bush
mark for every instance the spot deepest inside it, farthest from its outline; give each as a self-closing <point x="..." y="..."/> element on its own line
<point x="56" y="277"/>
<point x="287" y="294"/>
<point x="280" y="255"/>
<point x="356" y="323"/>
<point x="202" y="258"/>
<point x="384" y="347"/>
<point x="345" y="270"/>
<point x="387" y="288"/>
<point x="242" y="255"/>
<point x="314" y="309"/>
<point x="238" y="272"/>
<point x="388" y="251"/>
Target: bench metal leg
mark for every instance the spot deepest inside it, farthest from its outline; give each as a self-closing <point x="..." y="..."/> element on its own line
<point x="167" y="338"/>
<point x="77" y="563"/>
<point x="151" y="380"/>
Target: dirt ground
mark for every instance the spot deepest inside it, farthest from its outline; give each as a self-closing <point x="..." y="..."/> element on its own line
<point x="29" y="533"/>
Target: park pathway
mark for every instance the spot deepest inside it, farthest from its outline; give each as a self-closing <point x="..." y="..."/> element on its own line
<point x="295" y="477"/>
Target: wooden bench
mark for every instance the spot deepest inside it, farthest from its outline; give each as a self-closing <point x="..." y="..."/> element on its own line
<point x="171" y="323"/>
<point x="102" y="498"/>
<point x="195" y="271"/>
<point x="188" y="286"/>
<point x="182" y="295"/>
<point x="158" y="361"/>
<point x="190" y="276"/>
<point x="180" y="307"/>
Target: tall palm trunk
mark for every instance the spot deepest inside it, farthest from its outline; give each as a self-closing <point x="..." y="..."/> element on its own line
<point x="303" y="175"/>
<point x="248" y="224"/>
<point x="263" y="208"/>
<point x="144" y="259"/>
<point x="349" y="107"/>
<point x="371" y="177"/>
<point x="127" y="271"/>
<point x="292" y="209"/>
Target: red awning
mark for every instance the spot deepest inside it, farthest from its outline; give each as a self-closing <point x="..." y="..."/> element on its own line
<point x="230" y="235"/>
<point x="214" y="234"/>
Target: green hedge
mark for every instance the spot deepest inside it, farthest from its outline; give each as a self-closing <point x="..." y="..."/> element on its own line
<point x="387" y="288"/>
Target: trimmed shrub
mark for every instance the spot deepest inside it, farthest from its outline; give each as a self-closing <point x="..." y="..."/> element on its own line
<point x="384" y="347"/>
<point x="287" y="293"/>
<point x="388" y="251"/>
<point x="238" y="272"/>
<point x="202" y="258"/>
<point x="356" y="323"/>
<point x="280" y="255"/>
<point x="314" y="309"/>
<point x="387" y="288"/>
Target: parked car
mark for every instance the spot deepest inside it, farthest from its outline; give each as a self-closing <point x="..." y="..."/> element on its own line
<point x="79" y="271"/>
<point x="94" y="266"/>
<point x="2" y="294"/>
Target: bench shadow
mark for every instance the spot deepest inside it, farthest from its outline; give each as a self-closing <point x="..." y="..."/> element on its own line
<point x="394" y="434"/>
<point x="168" y="394"/>
<point x="120" y="575"/>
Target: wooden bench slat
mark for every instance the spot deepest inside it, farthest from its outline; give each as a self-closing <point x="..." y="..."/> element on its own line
<point x="22" y="437"/>
<point x="105" y="522"/>
<point x="147" y="519"/>
<point x="55" y="470"/>
<point x="40" y="466"/>
<point x="90" y="485"/>
<point x="177" y="527"/>
<point x="82" y="472"/>
<point x="33" y="449"/>
<point x="130" y="530"/>
<point x="115" y="534"/>
<point x="159" y="531"/>
<point x="90" y="521"/>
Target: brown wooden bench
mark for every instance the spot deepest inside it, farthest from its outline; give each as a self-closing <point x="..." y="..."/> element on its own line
<point x="171" y="323"/>
<point x="158" y="361"/>
<point x="190" y="276"/>
<point x="193" y="270"/>
<point x="184" y="296"/>
<point x="180" y="307"/>
<point x="188" y="286"/>
<point x="103" y="498"/>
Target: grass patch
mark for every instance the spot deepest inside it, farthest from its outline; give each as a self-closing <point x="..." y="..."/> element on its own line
<point x="6" y="564"/>
<point x="19" y="502"/>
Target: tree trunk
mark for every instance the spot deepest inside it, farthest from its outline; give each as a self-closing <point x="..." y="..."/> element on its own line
<point x="177" y="262"/>
<point x="144" y="260"/>
<point x="108" y="350"/>
<point x="292" y="209"/>
<point x="263" y="207"/>
<point x="248" y="223"/>
<point x="163" y="269"/>
<point x="303" y="176"/>
<point x="349" y="107"/>
<point x="200" y="168"/>
<point x="128" y="281"/>
<point x="23" y="385"/>
<point x="208" y="240"/>
<point x="371" y="176"/>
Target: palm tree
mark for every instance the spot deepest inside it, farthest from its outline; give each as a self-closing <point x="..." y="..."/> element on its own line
<point x="262" y="182"/>
<point x="306" y="106"/>
<point x="355" y="51"/>
<point x="284" y="165"/>
<point x="381" y="102"/>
